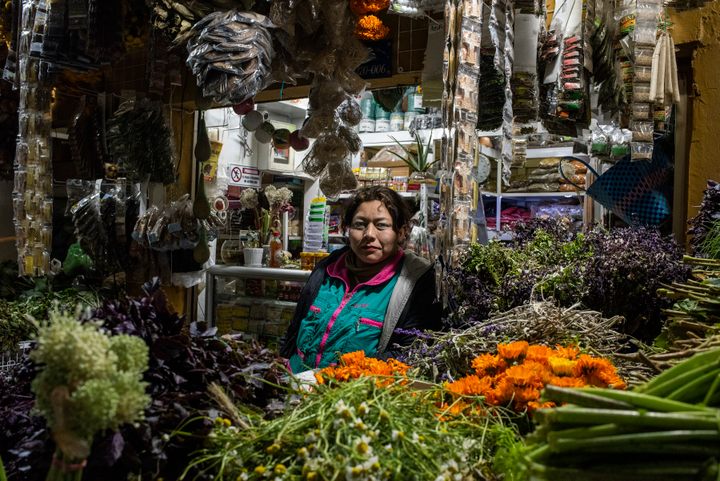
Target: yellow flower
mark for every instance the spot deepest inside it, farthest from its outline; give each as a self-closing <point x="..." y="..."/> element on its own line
<point x="273" y="448"/>
<point x="260" y="470"/>
<point x="280" y="469"/>
<point x="311" y="476"/>
<point x="561" y="366"/>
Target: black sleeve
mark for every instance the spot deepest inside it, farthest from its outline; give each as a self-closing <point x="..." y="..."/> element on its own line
<point x="422" y="312"/>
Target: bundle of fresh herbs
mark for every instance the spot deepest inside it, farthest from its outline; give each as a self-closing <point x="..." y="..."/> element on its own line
<point x="183" y="363"/>
<point x="16" y="316"/>
<point x="709" y="214"/>
<point x="448" y="356"/>
<point x="87" y="382"/>
<point x="354" y="430"/>
<point x="614" y="272"/>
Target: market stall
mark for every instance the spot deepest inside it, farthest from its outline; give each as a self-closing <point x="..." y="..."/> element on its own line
<point x="179" y="168"/>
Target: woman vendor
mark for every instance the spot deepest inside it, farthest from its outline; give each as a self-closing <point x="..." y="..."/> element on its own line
<point x="370" y="296"/>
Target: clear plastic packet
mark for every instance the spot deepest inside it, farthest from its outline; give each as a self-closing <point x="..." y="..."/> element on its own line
<point x="77" y="189"/>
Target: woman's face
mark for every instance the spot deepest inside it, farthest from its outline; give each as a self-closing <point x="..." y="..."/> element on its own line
<point x="372" y="235"/>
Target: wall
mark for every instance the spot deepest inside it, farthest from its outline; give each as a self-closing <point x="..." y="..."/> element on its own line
<point x="701" y="28"/>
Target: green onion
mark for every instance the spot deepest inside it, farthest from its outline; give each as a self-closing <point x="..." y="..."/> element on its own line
<point x="573" y="415"/>
<point x="646" y="401"/>
<point x="673" y="436"/>
<point x="695" y="390"/>
<point x="702" y="359"/>
<point x="582" y="397"/>
<point x="681" y="379"/>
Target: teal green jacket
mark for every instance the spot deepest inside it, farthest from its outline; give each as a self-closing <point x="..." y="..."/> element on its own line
<point x="341" y="319"/>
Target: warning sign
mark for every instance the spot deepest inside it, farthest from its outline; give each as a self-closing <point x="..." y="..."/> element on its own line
<point x="243" y="176"/>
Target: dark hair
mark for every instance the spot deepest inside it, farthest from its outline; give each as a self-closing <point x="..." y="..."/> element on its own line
<point x="389" y="198"/>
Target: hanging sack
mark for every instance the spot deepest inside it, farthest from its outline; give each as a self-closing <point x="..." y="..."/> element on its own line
<point x="628" y="189"/>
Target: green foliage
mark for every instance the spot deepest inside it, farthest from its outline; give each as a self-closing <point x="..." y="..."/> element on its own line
<point x="357" y="430"/>
<point x="415" y="160"/>
<point x="101" y="376"/>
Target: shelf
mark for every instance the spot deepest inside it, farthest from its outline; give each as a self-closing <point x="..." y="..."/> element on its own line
<point x="61" y="134"/>
<point x="336" y="236"/>
<point x="296" y="174"/>
<point x="545" y="152"/>
<point x="382" y="139"/>
<point x="500" y="235"/>
<point x="241" y="300"/>
<point x="259" y="273"/>
<point x="406" y="195"/>
<point x="511" y="195"/>
<point x="294" y="237"/>
<point x="285" y="108"/>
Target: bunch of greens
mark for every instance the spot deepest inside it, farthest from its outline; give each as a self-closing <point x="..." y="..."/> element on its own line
<point x="666" y="429"/>
<point x="87" y="382"/>
<point x="495" y="277"/>
<point x="355" y="430"/>
<point x="614" y="272"/>
<point x="183" y="363"/>
<point x="16" y="316"/>
<point x="707" y="216"/>
<point x="623" y="275"/>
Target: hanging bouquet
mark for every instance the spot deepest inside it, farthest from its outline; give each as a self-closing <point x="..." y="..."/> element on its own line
<point x="369" y="27"/>
<point x="516" y="375"/>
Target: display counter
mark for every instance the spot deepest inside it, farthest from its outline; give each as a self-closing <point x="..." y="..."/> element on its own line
<point x="258" y="302"/>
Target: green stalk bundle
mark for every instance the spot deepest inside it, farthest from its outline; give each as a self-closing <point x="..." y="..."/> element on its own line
<point x="666" y="429"/>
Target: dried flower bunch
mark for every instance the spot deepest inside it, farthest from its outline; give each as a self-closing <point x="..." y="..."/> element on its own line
<point x="278" y="198"/>
<point x="516" y="375"/>
<point x="355" y="364"/>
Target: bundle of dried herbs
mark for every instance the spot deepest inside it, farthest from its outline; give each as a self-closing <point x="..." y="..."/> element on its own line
<point x="139" y="140"/>
<point x="449" y="355"/>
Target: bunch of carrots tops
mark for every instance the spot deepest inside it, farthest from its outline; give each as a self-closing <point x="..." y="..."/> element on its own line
<point x="514" y="377"/>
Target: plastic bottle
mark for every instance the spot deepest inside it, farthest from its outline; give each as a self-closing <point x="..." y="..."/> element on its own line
<point x="275" y="250"/>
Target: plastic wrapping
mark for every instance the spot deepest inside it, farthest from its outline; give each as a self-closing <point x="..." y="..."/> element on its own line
<point x="231" y="55"/>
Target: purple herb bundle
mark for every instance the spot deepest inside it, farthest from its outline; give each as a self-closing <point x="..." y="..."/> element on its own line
<point x="183" y="363"/>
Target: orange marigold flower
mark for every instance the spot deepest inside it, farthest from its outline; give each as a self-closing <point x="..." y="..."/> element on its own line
<point x="525" y="395"/>
<point x="524" y="376"/>
<point x="488" y="365"/>
<point x="503" y="392"/>
<point x="566" y="381"/>
<point x="538" y="353"/>
<point x="535" y="405"/>
<point x="569" y="352"/>
<point x="470" y="386"/>
<point x="598" y="372"/>
<point x="371" y="28"/>
<point x="561" y="366"/>
<point x="350" y="358"/>
<point x="363" y="7"/>
<point x="514" y="351"/>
